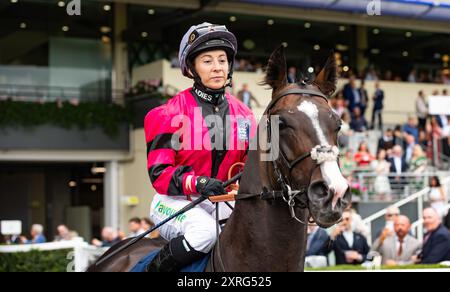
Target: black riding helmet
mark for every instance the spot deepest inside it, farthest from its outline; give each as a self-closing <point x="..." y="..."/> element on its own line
<point x="201" y="38"/>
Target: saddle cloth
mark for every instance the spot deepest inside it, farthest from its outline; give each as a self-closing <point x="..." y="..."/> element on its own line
<point x="198" y="266"/>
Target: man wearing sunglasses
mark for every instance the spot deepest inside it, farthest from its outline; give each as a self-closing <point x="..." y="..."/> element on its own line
<point x="392" y="212"/>
<point x="349" y="247"/>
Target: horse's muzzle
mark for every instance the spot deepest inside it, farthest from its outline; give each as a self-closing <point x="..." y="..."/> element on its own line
<point x="324" y="205"/>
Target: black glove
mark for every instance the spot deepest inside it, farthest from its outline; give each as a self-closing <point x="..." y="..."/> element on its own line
<point x="207" y="186"/>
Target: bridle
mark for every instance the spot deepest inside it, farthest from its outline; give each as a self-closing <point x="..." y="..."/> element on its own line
<point x="295" y="198"/>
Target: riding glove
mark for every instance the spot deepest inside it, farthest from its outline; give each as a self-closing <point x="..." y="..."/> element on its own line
<point x="207" y="186"/>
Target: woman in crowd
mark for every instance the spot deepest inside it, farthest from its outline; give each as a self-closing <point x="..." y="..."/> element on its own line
<point x="437" y="196"/>
<point x="381" y="167"/>
<point x="363" y="157"/>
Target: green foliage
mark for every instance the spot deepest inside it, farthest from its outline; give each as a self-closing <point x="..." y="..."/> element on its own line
<point x="424" y="266"/>
<point x="360" y="268"/>
<point x="85" y="115"/>
<point x="35" y="261"/>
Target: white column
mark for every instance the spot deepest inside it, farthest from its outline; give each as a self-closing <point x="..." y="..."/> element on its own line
<point x="111" y="194"/>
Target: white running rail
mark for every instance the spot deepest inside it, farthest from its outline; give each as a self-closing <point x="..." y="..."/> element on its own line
<point x="81" y="256"/>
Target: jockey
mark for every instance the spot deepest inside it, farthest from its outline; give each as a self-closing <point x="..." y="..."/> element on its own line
<point x="192" y="141"/>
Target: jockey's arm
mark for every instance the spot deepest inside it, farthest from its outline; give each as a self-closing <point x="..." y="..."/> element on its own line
<point x="166" y="177"/>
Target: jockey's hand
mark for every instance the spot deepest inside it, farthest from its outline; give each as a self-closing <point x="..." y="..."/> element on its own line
<point x="207" y="186"/>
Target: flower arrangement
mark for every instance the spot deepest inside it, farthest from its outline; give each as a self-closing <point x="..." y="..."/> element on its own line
<point x="357" y="189"/>
<point x="150" y="86"/>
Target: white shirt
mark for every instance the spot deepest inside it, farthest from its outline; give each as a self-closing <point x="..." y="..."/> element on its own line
<point x="246" y="98"/>
<point x="310" y="236"/>
<point x="409" y="152"/>
<point x="398" y="165"/>
<point x="137" y="233"/>
<point x="348" y="235"/>
<point x="356" y="96"/>
<point x="443" y="120"/>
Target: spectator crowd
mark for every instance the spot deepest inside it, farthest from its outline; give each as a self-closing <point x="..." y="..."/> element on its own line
<point x="395" y="243"/>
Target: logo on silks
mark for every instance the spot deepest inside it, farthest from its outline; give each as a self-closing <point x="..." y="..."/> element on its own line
<point x="243" y="129"/>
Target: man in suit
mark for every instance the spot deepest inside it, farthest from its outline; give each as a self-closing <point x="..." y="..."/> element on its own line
<point x="392" y="213"/>
<point x="399" y="248"/>
<point x="292" y="74"/>
<point x="409" y="148"/>
<point x="377" y="110"/>
<point x="447" y="221"/>
<point x="358" y="123"/>
<point x="436" y="242"/>
<point x="398" y="166"/>
<point x="351" y="94"/>
<point x="364" y="98"/>
<point x="318" y="241"/>
<point x="386" y="141"/>
<point x="247" y="97"/>
<point x="349" y="247"/>
<point x="398" y="138"/>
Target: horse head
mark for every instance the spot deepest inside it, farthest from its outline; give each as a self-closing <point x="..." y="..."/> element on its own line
<point x="307" y="139"/>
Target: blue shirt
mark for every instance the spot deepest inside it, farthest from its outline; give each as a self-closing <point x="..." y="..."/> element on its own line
<point x="246" y="98"/>
<point x="412" y="131"/>
<point x="39" y="239"/>
<point x="356" y="96"/>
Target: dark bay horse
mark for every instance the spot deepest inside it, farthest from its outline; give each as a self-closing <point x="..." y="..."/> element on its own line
<point x="277" y="197"/>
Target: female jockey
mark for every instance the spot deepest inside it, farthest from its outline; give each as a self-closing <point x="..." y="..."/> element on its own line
<point x="192" y="141"/>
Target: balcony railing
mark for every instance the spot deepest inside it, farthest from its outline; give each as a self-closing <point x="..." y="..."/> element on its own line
<point x="401" y="185"/>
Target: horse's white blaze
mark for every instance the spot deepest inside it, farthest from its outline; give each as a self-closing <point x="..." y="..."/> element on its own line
<point x="330" y="169"/>
<point x="310" y="109"/>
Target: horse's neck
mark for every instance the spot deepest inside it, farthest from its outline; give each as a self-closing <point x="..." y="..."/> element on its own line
<point x="261" y="235"/>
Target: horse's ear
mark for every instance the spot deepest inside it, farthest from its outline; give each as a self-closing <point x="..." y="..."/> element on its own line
<point x="327" y="78"/>
<point x="276" y="71"/>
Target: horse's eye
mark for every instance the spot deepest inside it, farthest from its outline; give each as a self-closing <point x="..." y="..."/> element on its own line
<point x="282" y="124"/>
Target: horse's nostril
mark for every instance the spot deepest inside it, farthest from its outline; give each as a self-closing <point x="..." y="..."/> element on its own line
<point x="319" y="189"/>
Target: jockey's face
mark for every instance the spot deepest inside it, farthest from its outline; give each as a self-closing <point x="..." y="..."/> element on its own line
<point x="212" y="67"/>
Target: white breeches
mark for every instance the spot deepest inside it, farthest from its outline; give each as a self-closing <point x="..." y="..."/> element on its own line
<point x="198" y="225"/>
